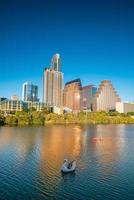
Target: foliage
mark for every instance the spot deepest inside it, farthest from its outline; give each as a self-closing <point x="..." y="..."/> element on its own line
<point x="114" y="113"/>
<point x="32" y="117"/>
<point x="2" y="118"/>
<point x="130" y="113"/>
<point x="11" y="120"/>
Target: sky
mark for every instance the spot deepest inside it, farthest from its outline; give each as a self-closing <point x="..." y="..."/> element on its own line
<point x="95" y="39"/>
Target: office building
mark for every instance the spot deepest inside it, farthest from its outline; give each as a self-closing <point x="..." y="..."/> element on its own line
<point x="87" y="94"/>
<point x="124" y="107"/>
<point x="29" y="92"/>
<point x="11" y="106"/>
<point x="53" y="84"/>
<point x="106" y="97"/>
<point x="38" y="106"/>
<point x="72" y="95"/>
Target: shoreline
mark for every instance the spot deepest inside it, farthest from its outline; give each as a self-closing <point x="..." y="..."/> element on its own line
<point x="64" y="124"/>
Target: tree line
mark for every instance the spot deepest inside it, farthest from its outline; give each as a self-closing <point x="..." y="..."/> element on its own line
<point x="33" y="117"/>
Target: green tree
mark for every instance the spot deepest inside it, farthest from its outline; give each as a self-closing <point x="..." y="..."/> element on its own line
<point x="11" y="120"/>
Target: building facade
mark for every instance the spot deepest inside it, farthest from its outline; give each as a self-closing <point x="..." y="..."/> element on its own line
<point x="14" y="97"/>
<point x="38" y="106"/>
<point x="2" y="98"/>
<point x="53" y="84"/>
<point x="106" y="97"/>
<point x="87" y="94"/>
<point x="124" y="107"/>
<point x="11" y="106"/>
<point x="29" y="92"/>
<point x="72" y="95"/>
<point x="56" y="62"/>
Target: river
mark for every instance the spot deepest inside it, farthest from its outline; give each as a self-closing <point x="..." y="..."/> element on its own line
<point x="31" y="157"/>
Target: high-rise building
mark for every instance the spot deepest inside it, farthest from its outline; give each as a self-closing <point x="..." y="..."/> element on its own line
<point x="56" y="62"/>
<point x="72" y="95"/>
<point x="106" y="97"/>
<point x="53" y="84"/>
<point x="29" y="92"/>
<point x="87" y="94"/>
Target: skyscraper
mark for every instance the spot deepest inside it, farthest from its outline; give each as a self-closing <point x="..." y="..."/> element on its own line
<point x="56" y="62"/>
<point x="29" y="92"/>
<point x="106" y="97"/>
<point x="72" y="95"/>
<point x="87" y="94"/>
<point x="53" y="83"/>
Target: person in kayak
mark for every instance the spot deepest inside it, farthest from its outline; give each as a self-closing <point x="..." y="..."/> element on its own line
<point x="70" y="165"/>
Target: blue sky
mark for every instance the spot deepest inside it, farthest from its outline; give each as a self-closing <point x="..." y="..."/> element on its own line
<point x="95" y="39"/>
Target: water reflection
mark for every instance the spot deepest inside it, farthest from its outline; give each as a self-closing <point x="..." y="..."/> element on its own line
<point x="31" y="158"/>
<point x="59" y="142"/>
<point x="68" y="176"/>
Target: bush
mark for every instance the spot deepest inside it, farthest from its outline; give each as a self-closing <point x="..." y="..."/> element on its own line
<point x="11" y="120"/>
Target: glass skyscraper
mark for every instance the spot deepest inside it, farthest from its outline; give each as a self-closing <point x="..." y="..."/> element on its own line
<point x="53" y="83"/>
<point x="29" y="92"/>
<point x="56" y="62"/>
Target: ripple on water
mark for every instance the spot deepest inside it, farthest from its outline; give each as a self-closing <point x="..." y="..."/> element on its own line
<point x="30" y="163"/>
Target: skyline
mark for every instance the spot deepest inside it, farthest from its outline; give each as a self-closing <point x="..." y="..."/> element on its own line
<point x="95" y="41"/>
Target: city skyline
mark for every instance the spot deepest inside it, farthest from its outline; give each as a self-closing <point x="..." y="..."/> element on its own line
<point x="95" y="41"/>
<point x="41" y="97"/>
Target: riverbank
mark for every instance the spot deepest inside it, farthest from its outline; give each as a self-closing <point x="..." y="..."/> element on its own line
<point x="24" y="118"/>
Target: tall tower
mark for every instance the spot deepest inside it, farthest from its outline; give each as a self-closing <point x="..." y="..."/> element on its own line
<point x="106" y="97"/>
<point x="53" y="83"/>
<point x="56" y="62"/>
<point x="72" y="95"/>
<point x="29" y="92"/>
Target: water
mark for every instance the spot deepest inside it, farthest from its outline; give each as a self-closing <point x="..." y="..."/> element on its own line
<point x="30" y="161"/>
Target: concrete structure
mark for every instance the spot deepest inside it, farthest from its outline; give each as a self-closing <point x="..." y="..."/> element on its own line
<point x="57" y="110"/>
<point x="87" y="94"/>
<point x="29" y="92"/>
<point x="53" y="84"/>
<point x="38" y="106"/>
<point x="106" y="97"/>
<point x="14" y="97"/>
<point x="11" y="106"/>
<point x="72" y="95"/>
<point x="124" y="107"/>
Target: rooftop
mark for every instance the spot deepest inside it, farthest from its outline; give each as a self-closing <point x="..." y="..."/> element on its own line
<point x="74" y="81"/>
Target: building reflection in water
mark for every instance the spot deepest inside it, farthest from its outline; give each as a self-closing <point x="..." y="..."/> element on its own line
<point x="49" y="146"/>
<point x="58" y="143"/>
<point x="5" y="137"/>
<point x="107" y="149"/>
<point x="20" y="140"/>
